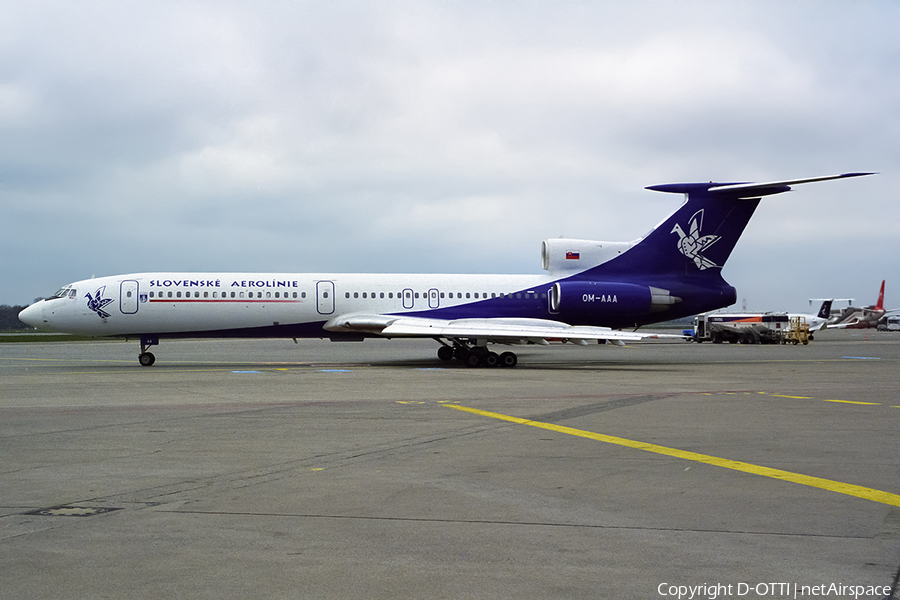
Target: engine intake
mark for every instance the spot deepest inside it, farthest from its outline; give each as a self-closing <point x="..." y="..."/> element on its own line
<point x="571" y="255"/>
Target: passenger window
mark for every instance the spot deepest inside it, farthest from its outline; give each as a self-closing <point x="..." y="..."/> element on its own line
<point x="356" y="294"/>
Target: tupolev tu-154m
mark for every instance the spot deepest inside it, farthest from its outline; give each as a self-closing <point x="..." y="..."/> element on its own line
<point x="591" y="291"/>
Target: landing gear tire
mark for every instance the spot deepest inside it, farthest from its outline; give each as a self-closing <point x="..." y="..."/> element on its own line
<point x="146" y="359"/>
<point x="508" y="359"/>
<point x="445" y="353"/>
<point x="471" y="360"/>
<point x="491" y="359"/>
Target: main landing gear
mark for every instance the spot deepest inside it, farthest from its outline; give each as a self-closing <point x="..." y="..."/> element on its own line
<point x="146" y="358"/>
<point x="476" y="356"/>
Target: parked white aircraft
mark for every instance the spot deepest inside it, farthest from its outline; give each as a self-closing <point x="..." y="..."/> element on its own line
<point x="817" y="321"/>
<point x="590" y="291"/>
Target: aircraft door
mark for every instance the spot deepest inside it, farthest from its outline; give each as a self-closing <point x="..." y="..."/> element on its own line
<point x="434" y="300"/>
<point x="128" y="297"/>
<point x="325" y="297"/>
<point x="408" y="300"/>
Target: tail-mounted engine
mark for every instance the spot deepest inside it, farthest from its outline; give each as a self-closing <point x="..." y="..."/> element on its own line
<point x="608" y="298"/>
<point x="569" y="255"/>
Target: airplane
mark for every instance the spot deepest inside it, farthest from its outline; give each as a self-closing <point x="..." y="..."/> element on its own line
<point x="861" y="317"/>
<point x="817" y="321"/>
<point x="590" y="292"/>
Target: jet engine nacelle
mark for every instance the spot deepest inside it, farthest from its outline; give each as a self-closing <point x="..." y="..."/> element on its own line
<point x="599" y="297"/>
<point x="570" y="255"/>
<point x="608" y="298"/>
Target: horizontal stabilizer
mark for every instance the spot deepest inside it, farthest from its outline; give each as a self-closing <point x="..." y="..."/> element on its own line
<point x="775" y="187"/>
<point x="745" y="189"/>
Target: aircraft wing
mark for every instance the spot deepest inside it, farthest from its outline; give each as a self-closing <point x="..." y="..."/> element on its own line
<point x="496" y="330"/>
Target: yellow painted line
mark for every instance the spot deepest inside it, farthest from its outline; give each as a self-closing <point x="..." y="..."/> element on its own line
<point x="818" y="482"/>
<point x="792" y="397"/>
<point x="853" y="402"/>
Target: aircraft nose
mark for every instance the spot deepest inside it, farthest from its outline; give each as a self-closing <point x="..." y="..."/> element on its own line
<point x="33" y="315"/>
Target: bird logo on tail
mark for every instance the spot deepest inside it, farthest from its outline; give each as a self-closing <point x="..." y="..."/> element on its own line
<point x="692" y="244"/>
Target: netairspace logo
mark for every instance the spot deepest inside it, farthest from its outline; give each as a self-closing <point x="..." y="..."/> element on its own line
<point x="712" y="591"/>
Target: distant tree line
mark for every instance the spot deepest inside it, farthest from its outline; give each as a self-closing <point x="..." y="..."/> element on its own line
<point x="9" y="318"/>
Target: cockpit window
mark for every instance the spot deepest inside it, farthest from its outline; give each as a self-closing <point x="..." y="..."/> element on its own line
<point x="66" y="292"/>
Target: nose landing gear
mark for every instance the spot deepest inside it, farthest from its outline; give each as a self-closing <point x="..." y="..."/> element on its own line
<point x="146" y="358"/>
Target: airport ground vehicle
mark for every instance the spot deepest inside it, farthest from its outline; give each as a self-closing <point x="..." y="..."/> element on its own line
<point x="797" y="332"/>
<point x="746" y="328"/>
<point x="891" y="323"/>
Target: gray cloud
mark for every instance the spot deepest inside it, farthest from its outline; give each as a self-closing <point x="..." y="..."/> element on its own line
<point x="439" y="136"/>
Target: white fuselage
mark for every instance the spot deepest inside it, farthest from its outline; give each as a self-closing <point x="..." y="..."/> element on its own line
<point x="163" y="303"/>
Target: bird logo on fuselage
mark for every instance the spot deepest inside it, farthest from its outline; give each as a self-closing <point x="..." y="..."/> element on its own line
<point x="97" y="303"/>
<point x="693" y="244"/>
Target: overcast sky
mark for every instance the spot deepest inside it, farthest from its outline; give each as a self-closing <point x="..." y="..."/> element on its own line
<point x="447" y="136"/>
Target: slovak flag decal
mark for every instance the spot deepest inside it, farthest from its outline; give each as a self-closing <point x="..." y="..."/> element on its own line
<point x="573" y="255"/>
